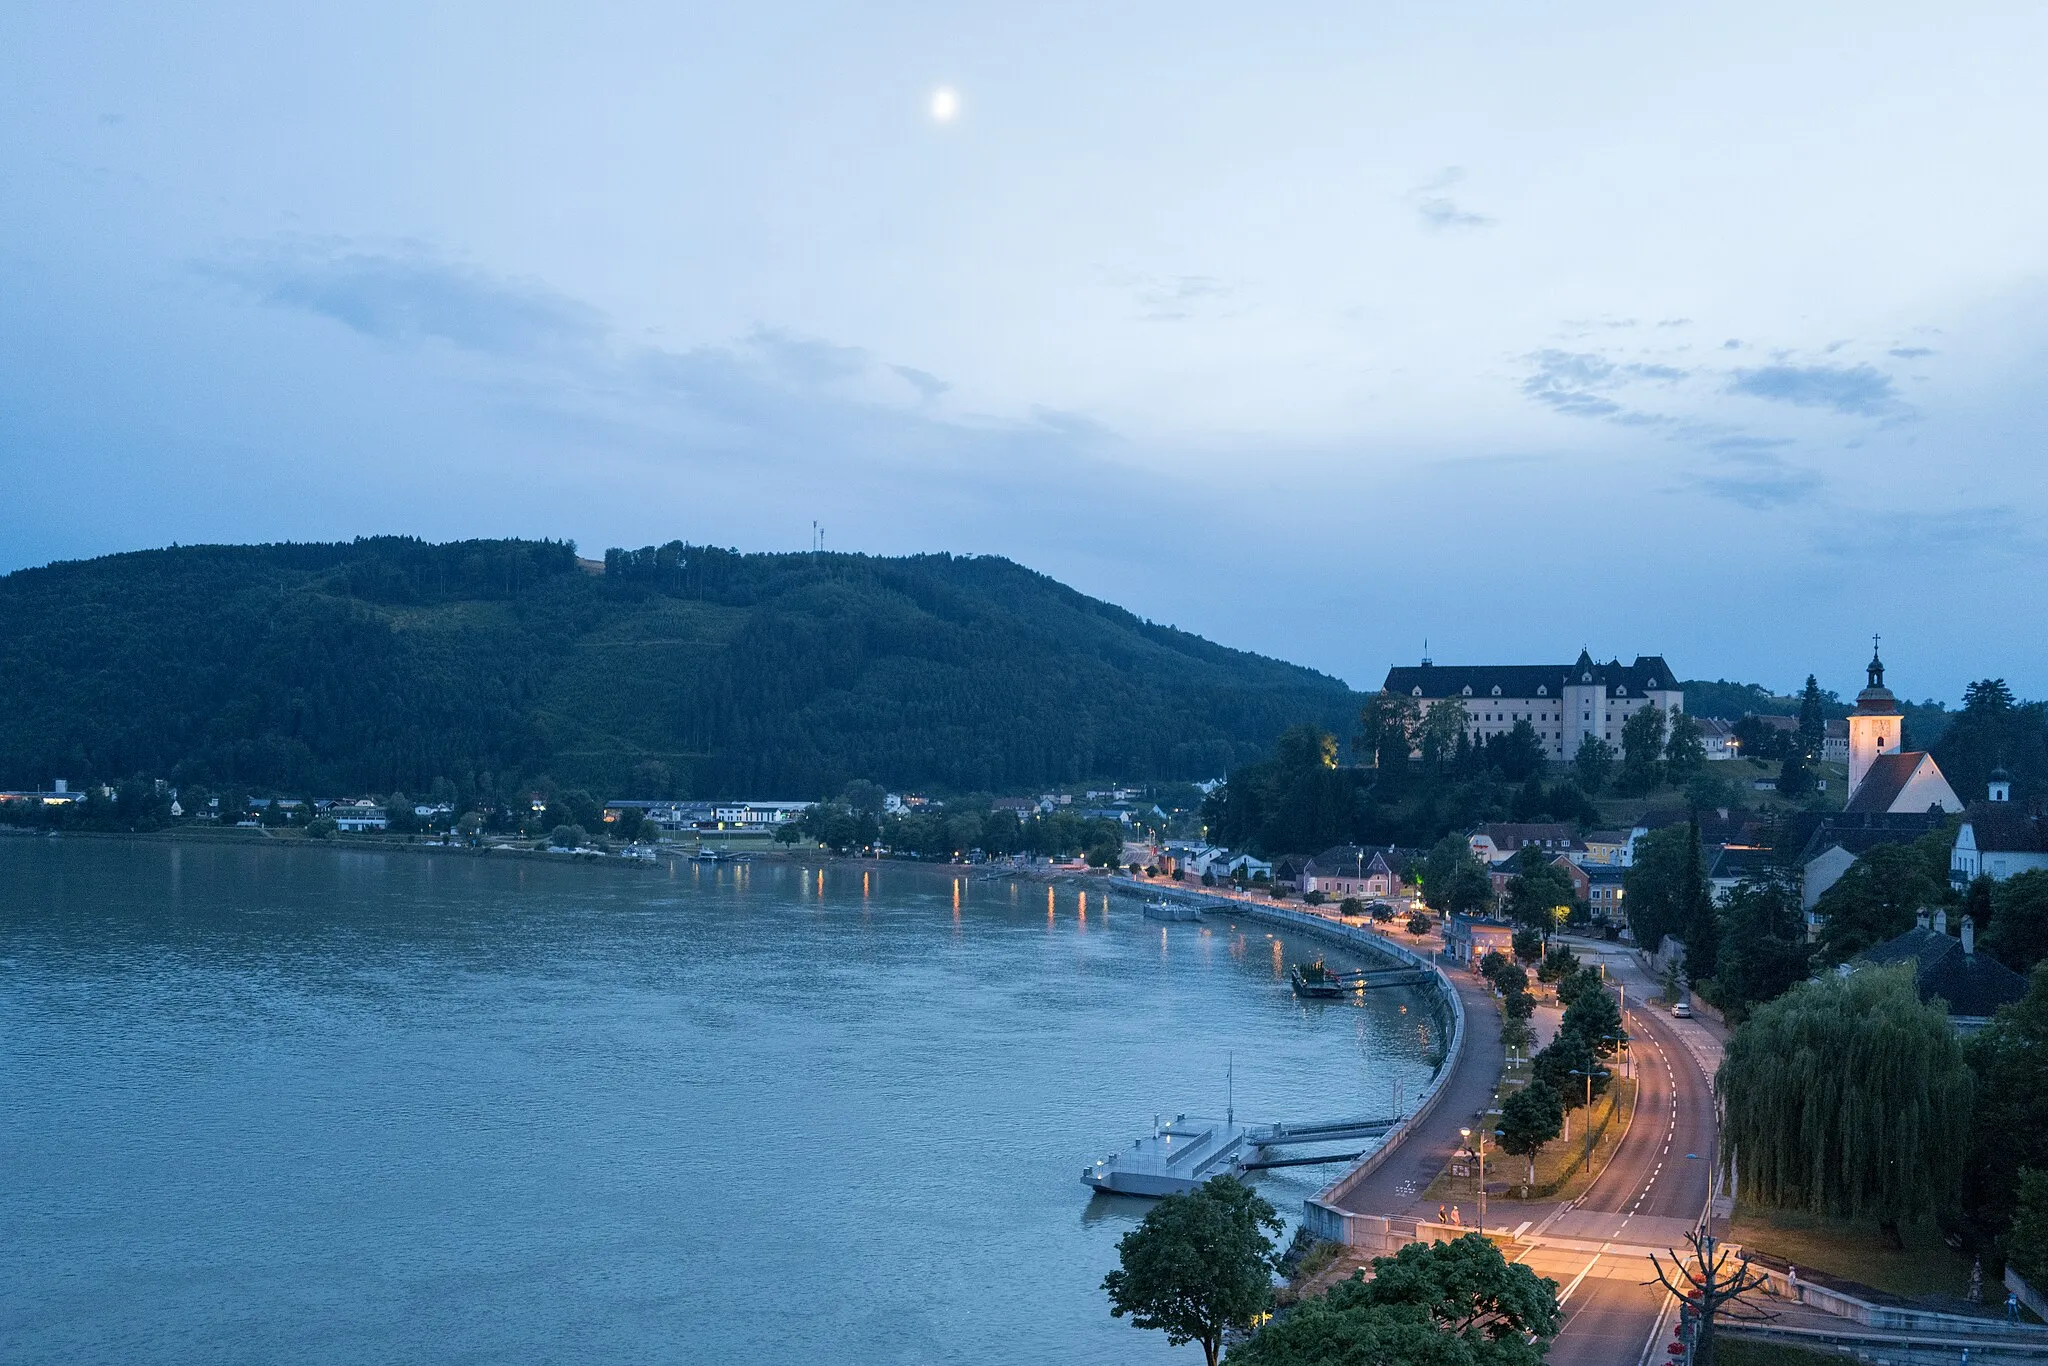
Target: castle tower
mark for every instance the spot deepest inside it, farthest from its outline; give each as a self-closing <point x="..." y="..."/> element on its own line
<point x="1875" y="725"/>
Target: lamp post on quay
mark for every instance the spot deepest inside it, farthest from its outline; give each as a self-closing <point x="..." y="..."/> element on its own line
<point x="1477" y="1147"/>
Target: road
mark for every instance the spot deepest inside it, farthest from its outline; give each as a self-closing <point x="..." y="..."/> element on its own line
<point x="1651" y="1191"/>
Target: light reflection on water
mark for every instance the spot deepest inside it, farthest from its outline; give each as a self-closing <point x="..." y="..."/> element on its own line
<point x="348" y="1106"/>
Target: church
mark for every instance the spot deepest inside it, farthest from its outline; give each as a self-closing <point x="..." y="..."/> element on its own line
<point x="1884" y="779"/>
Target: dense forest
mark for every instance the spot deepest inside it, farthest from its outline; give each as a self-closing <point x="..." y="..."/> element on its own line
<point x="390" y="663"/>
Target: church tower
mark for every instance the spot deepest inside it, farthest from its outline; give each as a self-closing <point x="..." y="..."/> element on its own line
<point x="1875" y="725"/>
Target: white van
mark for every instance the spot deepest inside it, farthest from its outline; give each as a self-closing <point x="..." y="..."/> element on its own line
<point x="1682" y="1009"/>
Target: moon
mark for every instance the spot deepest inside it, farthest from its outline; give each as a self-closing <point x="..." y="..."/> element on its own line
<point x="945" y="104"/>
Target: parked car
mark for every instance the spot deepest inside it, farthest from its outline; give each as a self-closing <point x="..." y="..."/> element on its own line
<point x="1682" y="1009"/>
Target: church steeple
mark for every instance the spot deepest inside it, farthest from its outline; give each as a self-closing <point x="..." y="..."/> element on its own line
<point x="1876" y="726"/>
<point x="1875" y="668"/>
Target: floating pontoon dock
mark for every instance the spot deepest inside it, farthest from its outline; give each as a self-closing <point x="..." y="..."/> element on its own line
<point x="1188" y="1150"/>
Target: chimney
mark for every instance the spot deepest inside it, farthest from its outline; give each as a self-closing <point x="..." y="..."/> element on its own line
<point x="1941" y="922"/>
<point x="1969" y="936"/>
<point x="1920" y="920"/>
<point x="62" y="785"/>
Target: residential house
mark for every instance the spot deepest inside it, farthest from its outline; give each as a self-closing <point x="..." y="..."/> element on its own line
<point x="1563" y="703"/>
<point x="1719" y="738"/>
<point x="1607" y="848"/>
<point x="1997" y="838"/>
<point x="1249" y="868"/>
<point x="1467" y="939"/>
<point x="1348" y="870"/>
<point x="1731" y="863"/>
<point x="1834" y="748"/>
<point x="1604" y="894"/>
<point x="1500" y="841"/>
<point x="1970" y="985"/>
<point x="1829" y="842"/>
<point x="1023" y="808"/>
<point x="359" y="816"/>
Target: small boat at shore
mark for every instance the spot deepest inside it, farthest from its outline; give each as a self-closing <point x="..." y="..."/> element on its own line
<point x="1315" y="981"/>
<point x="1171" y="910"/>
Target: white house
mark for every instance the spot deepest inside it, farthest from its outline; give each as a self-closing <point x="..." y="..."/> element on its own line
<point x="1563" y="703"/>
<point x="1718" y="737"/>
<point x="1997" y="839"/>
<point x="1499" y="841"/>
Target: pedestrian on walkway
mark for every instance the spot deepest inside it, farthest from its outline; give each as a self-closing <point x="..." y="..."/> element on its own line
<point x="2012" y="1307"/>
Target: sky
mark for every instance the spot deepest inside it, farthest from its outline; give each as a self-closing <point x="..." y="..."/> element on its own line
<point x="1322" y="330"/>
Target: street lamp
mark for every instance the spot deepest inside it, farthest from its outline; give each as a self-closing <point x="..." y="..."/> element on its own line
<point x="1588" y="1075"/>
<point x="1480" y="1153"/>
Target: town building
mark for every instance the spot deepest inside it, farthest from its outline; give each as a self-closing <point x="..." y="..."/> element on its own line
<point x="1349" y="870"/>
<point x="1604" y="894"/>
<point x="1718" y="738"/>
<point x="1607" y="848"/>
<point x="1970" y="985"/>
<point x="1499" y="841"/>
<point x="1998" y="839"/>
<point x="1834" y="745"/>
<point x="1467" y="938"/>
<point x="1881" y="777"/>
<point x="1563" y="703"/>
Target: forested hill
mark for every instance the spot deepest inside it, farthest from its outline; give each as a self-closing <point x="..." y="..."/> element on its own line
<point x="388" y="663"/>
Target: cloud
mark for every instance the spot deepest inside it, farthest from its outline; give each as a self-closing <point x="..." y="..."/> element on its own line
<point x="1911" y="352"/>
<point x="1175" y="297"/>
<point x="1439" y="211"/>
<point x="1751" y="474"/>
<point x="1954" y="533"/>
<point x="1857" y="390"/>
<point x="928" y="385"/>
<point x="1580" y="384"/>
<point x="411" y="294"/>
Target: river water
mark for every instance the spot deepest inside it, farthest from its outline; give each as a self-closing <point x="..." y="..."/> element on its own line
<point x="268" y="1104"/>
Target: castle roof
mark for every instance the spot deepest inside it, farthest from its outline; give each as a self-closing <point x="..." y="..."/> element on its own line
<point x="1648" y="674"/>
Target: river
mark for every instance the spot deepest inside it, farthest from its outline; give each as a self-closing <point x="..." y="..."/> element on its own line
<point x="301" y="1103"/>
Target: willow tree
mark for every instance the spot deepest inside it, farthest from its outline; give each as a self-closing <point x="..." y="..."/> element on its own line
<point x="1848" y="1098"/>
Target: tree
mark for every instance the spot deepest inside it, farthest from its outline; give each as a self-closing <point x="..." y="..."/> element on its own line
<point x="1708" y="1289"/>
<point x="1848" y="1097"/>
<point x="1536" y="895"/>
<point x="1764" y="948"/>
<point x="1593" y="763"/>
<point x="1516" y="752"/>
<point x="322" y="828"/>
<point x="1528" y="944"/>
<point x="1386" y="730"/>
<point x="1443" y="732"/>
<point x="1564" y="1066"/>
<point x="1813" y="722"/>
<point x="1685" y="751"/>
<point x="1458" y="1303"/>
<point x="1642" y="747"/>
<point x="1531" y="1117"/>
<point x="1795" y="779"/>
<point x="567" y="837"/>
<point x="1453" y="879"/>
<point x="1199" y="1265"/>
<point x="1702" y="925"/>
<point x="2009" y="1124"/>
<point x="1594" y="1016"/>
<point x="1881" y="893"/>
<point x="1655" y="889"/>
<point x="2027" y="1247"/>
<point x="1756" y="738"/>
<point x="470" y="826"/>
<point x="2018" y="936"/>
<point x="1492" y="963"/>
<point x="1419" y="924"/>
<point x="1557" y="965"/>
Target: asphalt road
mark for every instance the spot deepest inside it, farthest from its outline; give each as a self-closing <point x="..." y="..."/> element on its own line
<point x="1657" y="1182"/>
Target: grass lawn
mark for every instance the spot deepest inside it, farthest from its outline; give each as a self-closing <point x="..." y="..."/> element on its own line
<point x="1559" y="1164"/>
<point x="1856" y="1251"/>
<point x="1733" y="1351"/>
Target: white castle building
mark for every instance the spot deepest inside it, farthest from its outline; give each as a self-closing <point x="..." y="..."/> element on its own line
<point x="1563" y="703"/>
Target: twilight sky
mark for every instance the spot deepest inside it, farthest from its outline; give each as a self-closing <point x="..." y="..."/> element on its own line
<point x="1317" y="329"/>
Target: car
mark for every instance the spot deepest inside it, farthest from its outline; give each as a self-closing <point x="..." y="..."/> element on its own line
<point x="1682" y="1009"/>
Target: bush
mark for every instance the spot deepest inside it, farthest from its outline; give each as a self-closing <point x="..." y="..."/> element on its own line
<point x="567" y="837"/>
<point x="322" y="828"/>
<point x="1208" y="879"/>
<point x="1351" y="905"/>
<point x="1419" y="924"/>
<point x="1277" y="892"/>
<point x="1314" y="898"/>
